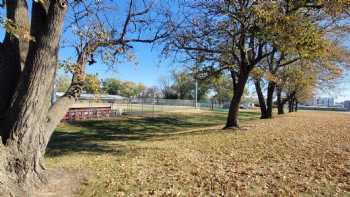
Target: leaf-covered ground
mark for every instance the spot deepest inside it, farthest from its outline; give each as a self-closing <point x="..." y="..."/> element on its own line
<point x="299" y="154"/>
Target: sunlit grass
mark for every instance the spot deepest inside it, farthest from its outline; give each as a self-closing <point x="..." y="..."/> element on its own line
<point x="295" y="155"/>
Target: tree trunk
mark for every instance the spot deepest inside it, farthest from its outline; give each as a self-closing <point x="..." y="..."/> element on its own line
<point x="296" y="106"/>
<point x="263" y="108"/>
<point x="280" y="102"/>
<point x="269" y="101"/>
<point x="232" y="118"/>
<point x="280" y="108"/>
<point x="13" y="53"/>
<point x="26" y="127"/>
<point x="290" y="105"/>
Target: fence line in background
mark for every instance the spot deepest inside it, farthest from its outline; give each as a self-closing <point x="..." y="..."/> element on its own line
<point x="106" y="108"/>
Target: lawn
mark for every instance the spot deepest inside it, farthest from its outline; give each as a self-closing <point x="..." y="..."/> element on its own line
<point x="300" y="154"/>
<point x="94" y="136"/>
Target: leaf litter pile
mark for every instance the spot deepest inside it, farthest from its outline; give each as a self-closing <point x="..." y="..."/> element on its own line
<point x="299" y="154"/>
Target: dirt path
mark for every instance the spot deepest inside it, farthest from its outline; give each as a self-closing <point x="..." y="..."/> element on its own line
<point x="62" y="183"/>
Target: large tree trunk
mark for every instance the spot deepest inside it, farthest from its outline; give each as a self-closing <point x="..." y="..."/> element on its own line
<point x="26" y="126"/>
<point x="262" y="104"/>
<point x="13" y="52"/>
<point x="232" y="118"/>
<point x="269" y="100"/>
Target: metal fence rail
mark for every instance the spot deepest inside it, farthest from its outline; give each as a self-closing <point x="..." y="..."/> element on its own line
<point x="138" y="105"/>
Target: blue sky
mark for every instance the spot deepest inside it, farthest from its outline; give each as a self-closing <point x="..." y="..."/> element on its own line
<point x="151" y="67"/>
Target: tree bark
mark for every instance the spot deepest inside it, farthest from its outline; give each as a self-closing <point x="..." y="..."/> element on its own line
<point x="25" y="133"/>
<point x="263" y="108"/>
<point x="280" y="101"/>
<point x="269" y="100"/>
<point x="291" y="105"/>
<point x="296" y="105"/>
<point x="238" y="87"/>
<point x="13" y="53"/>
<point x="280" y="108"/>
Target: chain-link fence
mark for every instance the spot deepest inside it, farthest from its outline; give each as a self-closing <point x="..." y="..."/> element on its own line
<point x="98" y="108"/>
<point x="138" y="105"/>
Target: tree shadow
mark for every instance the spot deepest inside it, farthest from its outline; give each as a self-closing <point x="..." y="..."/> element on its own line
<point x="102" y="136"/>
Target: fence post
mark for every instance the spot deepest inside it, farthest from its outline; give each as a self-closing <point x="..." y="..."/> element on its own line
<point x="153" y="106"/>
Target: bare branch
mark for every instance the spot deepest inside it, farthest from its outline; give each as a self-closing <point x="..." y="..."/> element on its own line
<point x="290" y="62"/>
<point x="127" y="20"/>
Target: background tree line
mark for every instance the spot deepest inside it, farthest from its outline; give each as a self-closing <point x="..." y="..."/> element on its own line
<point x="94" y="85"/>
<point x="180" y="85"/>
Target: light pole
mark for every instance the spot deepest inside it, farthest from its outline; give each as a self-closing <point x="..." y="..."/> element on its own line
<point x="196" y="94"/>
<point x="196" y="74"/>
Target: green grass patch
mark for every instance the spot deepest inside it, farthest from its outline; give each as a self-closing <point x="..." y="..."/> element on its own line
<point x="91" y="136"/>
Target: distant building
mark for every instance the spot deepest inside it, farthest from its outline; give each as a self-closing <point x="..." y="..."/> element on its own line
<point x="101" y="97"/>
<point x="347" y="105"/>
<point x="325" y="101"/>
<point x="321" y="101"/>
<point x="339" y="105"/>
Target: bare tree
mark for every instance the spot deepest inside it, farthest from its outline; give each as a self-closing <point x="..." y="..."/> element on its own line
<point x="220" y="36"/>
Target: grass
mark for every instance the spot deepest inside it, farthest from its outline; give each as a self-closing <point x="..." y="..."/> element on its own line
<point x="93" y="136"/>
<point x="303" y="154"/>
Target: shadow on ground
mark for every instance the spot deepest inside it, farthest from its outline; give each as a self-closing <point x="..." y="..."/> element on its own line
<point x="93" y="137"/>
